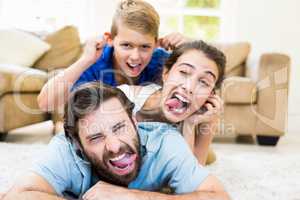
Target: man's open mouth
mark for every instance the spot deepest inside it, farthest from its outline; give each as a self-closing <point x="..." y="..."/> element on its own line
<point x="123" y="164"/>
<point x="177" y="104"/>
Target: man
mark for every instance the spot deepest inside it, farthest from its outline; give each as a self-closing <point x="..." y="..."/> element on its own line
<point x="103" y="147"/>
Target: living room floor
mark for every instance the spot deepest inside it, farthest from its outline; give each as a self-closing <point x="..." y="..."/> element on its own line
<point x="248" y="171"/>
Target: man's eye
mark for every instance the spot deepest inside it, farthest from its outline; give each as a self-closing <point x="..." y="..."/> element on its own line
<point x="96" y="138"/>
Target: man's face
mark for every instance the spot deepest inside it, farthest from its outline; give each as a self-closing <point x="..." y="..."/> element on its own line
<point x="110" y="141"/>
<point x="132" y="51"/>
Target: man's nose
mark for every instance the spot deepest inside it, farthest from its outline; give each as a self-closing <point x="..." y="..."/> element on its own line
<point x="112" y="144"/>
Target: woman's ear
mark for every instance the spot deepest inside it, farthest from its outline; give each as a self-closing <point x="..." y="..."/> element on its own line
<point x="165" y="74"/>
<point x="108" y="38"/>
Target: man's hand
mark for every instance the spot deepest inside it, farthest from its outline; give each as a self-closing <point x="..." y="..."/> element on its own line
<point x="93" y="49"/>
<point x="106" y="191"/>
<point x="169" y="42"/>
<point x="1" y="196"/>
<point x="211" y="114"/>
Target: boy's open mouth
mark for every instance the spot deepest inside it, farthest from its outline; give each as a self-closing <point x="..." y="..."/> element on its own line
<point x="177" y="104"/>
<point x="123" y="164"/>
<point x="135" y="68"/>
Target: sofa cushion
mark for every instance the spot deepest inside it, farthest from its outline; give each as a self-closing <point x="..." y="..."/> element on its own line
<point x="65" y="49"/>
<point x="236" y="53"/>
<point x="239" y="90"/>
<point x="21" y="48"/>
<point x="14" y="78"/>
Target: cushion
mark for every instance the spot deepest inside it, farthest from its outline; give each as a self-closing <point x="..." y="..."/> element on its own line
<point x="14" y="78"/>
<point x="21" y="48"/>
<point x="65" y="49"/>
<point x="236" y="53"/>
<point x="239" y="90"/>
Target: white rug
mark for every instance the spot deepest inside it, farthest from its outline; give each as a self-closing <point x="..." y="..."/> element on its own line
<point x="249" y="172"/>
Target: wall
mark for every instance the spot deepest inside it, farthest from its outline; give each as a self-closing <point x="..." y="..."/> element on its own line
<point x="269" y="25"/>
<point x="273" y="25"/>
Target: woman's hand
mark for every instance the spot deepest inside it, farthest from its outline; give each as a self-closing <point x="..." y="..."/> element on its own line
<point x="213" y="108"/>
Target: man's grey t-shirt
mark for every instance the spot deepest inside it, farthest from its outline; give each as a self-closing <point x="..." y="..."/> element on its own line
<point x="166" y="161"/>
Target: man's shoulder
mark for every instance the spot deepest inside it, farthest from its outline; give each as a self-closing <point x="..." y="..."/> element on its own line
<point x="161" y="137"/>
<point x="60" y="144"/>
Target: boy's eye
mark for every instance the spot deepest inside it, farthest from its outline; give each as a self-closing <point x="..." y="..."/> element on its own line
<point x="146" y="47"/>
<point x="126" y="45"/>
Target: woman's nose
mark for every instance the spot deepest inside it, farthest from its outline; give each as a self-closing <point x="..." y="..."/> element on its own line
<point x="189" y="86"/>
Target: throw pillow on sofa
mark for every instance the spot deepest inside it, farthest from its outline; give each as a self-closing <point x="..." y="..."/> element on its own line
<point x="21" y="48"/>
<point x="65" y="49"/>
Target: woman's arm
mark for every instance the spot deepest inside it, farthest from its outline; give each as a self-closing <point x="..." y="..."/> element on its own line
<point x="199" y="129"/>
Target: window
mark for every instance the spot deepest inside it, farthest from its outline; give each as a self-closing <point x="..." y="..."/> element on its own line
<point x="202" y="19"/>
<point x="42" y="16"/>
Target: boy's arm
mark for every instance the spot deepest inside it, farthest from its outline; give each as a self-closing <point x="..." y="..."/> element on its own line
<point x="33" y="187"/>
<point x="210" y="189"/>
<point x="56" y="91"/>
<point x="172" y="40"/>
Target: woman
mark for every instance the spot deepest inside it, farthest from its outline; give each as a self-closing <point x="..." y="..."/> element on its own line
<point x="186" y="97"/>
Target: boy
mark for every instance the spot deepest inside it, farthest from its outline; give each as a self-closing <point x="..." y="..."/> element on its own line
<point x="127" y="55"/>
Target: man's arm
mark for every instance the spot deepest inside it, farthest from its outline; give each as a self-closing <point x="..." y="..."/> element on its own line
<point x="33" y="187"/>
<point x="210" y="189"/>
<point x="56" y="91"/>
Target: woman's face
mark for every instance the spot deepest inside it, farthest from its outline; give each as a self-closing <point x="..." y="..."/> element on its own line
<point x="187" y="85"/>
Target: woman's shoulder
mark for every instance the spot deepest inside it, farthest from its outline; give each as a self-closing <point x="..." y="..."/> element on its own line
<point x="130" y="90"/>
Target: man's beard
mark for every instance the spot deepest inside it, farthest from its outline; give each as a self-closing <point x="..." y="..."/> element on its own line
<point x="102" y="169"/>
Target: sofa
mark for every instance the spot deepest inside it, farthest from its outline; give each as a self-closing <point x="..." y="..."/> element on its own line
<point x="27" y="61"/>
<point x="255" y="95"/>
<point x="253" y="105"/>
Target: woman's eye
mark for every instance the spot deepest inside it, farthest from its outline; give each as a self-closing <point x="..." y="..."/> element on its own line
<point x="183" y="72"/>
<point x="203" y="82"/>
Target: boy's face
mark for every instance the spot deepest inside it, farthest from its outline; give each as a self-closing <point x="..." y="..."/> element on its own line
<point x="132" y="51"/>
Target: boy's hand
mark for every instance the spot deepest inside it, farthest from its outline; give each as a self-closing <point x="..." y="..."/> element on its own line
<point x="170" y="41"/>
<point x="93" y="49"/>
<point x="213" y="109"/>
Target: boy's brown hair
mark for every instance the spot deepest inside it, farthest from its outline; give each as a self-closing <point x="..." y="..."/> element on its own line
<point x="137" y="15"/>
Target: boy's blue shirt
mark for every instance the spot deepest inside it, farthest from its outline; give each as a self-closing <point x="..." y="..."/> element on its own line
<point x="103" y="71"/>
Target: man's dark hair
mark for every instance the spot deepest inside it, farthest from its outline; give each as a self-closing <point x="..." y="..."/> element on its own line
<point x="209" y="51"/>
<point x="86" y="99"/>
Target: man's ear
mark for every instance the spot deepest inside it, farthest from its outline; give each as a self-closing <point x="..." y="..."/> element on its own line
<point x="108" y="38"/>
<point x="134" y="120"/>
